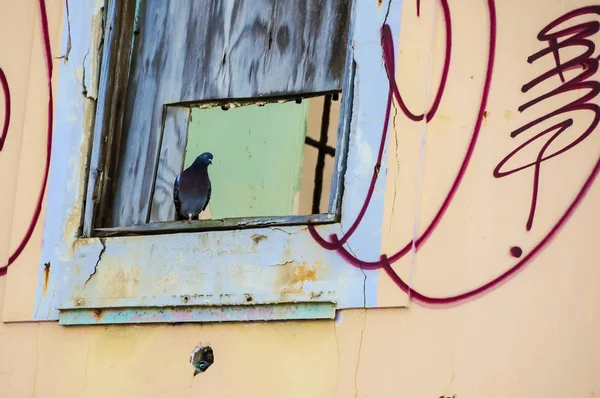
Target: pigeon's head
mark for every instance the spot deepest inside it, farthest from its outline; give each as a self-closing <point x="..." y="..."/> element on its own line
<point x="202" y="357"/>
<point x="205" y="158"/>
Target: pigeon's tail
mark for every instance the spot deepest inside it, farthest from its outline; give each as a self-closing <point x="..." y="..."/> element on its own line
<point x="176" y="200"/>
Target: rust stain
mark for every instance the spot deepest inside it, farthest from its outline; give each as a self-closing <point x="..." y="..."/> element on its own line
<point x="287" y="253"/>
<point x="379" y="3"/>
<point x="257" y="238"/>
<point x="185" y="298"/>
<point x="98" y="314"/>
<point x="302" y="274"/>
<point x="292" y="278"/>
<point x="121" y="282"/>
<point x="46" y="275"/>
<point x="485" y="114"/>
<point x="79" y="301"/>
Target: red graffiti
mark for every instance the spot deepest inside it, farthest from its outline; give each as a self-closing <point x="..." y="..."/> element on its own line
<point x="579" y="33"/>
<point x="389" y="57"/>
<point x="6" y="95"/>
<point x="576" y="36"/>
<point x="4" y="83"/>
<point x="388" y="53"/>
<point x="387" y="43"/>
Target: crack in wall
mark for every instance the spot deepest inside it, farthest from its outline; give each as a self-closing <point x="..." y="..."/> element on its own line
<point x="65" y="56"/>
<point x="37" y="359"/>
<point x="102" y="241"/>
<point x="387" y="13"/>
<point x="286" y="232"/>
<point x="102" y="31"/>
<point x="284" y="263"/>
<point x="337" y="348"/>
<point x="364" y="277"/>
<point x="397" y="177"/>
<point x="362" y="332"/>
<point x="362" y="328"/>
<point x="364" y="288"/>
<point x="452" y="377"/>
<point x="84" y="87"/>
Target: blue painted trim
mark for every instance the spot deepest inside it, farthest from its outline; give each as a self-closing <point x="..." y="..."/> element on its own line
<point x="282" y="265"/>
<point x="302" y="311"/>
<point x="72" y="129"/>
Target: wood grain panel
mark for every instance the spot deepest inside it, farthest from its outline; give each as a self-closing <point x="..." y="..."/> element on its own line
<point x="170" y="162"/>
<point x="193" y="51"/>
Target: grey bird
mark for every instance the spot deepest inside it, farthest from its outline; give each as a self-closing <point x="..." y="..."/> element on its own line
<point x="192" y="188"/>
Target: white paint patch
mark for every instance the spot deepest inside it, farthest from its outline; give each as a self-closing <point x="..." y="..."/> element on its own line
<point x="366" y="159"/>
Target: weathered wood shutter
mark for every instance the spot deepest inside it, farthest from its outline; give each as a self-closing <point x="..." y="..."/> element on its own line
<point x="189" y="51"/>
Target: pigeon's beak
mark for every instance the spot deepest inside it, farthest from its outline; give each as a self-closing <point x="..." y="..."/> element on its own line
<point x="209" y="161"/>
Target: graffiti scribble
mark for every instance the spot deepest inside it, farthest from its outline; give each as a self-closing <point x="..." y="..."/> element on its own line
<point x="571" y="36"/>
<point x="6" y="95"/>
<point x="576" y="36"/>
<point x="38" y="207"/>
<point x="387" y="44"/>
<point x="388" y="53"/>
<point x="385" y="261"/>
<point x="579" y="32"/>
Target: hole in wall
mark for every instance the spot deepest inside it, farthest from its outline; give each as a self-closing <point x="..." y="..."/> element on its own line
<point x="202" y="358"/>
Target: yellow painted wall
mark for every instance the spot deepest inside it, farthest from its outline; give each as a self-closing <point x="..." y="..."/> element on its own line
<point x="534" y="336"/>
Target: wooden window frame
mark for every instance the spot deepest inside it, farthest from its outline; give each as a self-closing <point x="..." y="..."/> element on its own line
<point x="254" y="272"/>
<point x="109" y="131"/>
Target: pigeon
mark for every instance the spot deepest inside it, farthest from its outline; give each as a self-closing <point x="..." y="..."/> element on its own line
<point x="192" y="188"/>
<point x="201" y="358"/>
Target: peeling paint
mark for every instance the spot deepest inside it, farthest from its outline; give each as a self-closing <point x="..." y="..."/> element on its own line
<point x="277" y="265"/>
<point x="98" y="314"/>
<point x="250" y="313"/>
<point x="304" y="273"/>
<point x="97" y="262"/>
<point x="79" y="301"/>
<point x="65" y="56"/>
<point x="46" y="276"/>
<point x="257" y="238"/>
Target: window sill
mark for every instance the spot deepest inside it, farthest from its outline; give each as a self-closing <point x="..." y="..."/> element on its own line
<point x="239" y="313"/>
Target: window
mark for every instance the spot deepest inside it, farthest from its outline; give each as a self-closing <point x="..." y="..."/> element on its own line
<point x="269" y="89"/>
<point x="170" y="63"/>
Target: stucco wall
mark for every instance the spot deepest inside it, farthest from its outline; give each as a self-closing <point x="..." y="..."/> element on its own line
<point x="535" y="334"/>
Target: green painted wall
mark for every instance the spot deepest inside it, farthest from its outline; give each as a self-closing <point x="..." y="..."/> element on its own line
<point x="257" y="157"/>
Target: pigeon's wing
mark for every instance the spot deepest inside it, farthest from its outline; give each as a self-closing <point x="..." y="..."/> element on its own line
<point x="207" y="196"/>
<point x="176" y="200"/>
